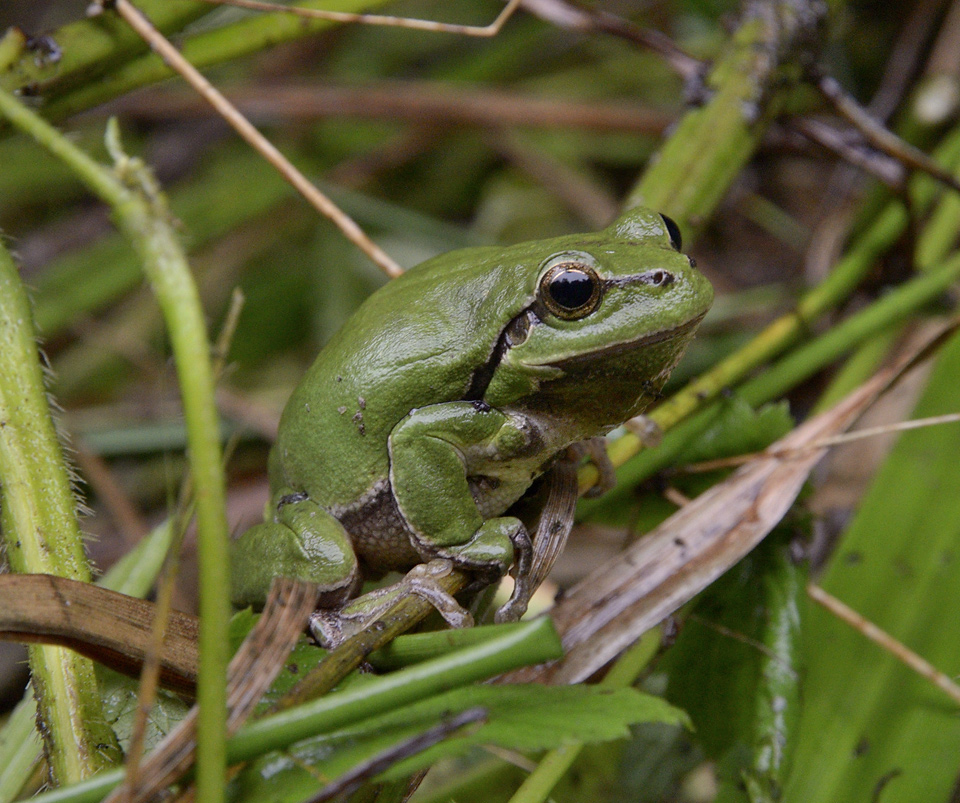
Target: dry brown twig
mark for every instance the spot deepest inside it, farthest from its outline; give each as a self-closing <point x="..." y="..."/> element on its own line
<point x="413" y="23"/>
<point x="887" y="642"/>
<point x="319" y="200"/>
<point x="171" y="56"/>
<point x="422" y="102"/>
<point x="877" y="135"/>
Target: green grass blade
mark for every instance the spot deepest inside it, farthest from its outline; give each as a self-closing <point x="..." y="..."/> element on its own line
<point x="869" y="721"/>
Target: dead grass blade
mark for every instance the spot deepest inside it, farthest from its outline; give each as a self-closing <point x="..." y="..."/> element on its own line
<point x="109" y="627"/>
<point x="615" y="604"/>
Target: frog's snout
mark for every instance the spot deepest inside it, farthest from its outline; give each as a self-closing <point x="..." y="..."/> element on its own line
<point x="697" y="287"/>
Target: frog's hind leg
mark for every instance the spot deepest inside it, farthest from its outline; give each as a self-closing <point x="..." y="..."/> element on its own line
<point x="556" y="501"/>
<point x="303" y="542"/>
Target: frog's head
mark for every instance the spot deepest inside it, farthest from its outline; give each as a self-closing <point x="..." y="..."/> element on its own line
<point x="611" y="314"/>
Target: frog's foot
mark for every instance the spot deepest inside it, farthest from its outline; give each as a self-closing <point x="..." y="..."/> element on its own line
<point x="595" y="450"/>
<point x="498" y="544"/>
<point x="422" y="581"/>
<point x="333" y="627"/>
<point x="523" y="589"/>
<point x="303" y="542"/>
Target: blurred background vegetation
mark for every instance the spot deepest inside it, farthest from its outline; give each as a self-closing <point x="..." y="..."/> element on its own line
<point x="433" y="142"/>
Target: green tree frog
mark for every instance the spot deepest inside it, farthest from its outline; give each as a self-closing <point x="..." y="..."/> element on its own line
<point x="452" y="389"/>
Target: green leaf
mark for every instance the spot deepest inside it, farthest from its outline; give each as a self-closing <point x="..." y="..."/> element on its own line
<point x="120" y="701"/>
<point x="735" y="670"/>
<point x="869" y="723"/>
<point x="739" y="429"/>
<point x="519" y="718"/>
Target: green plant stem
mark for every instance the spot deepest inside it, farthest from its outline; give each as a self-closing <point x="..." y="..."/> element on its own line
<point x="530" y="643"/>
<point x="790" y="328"/>
<point x="41" y="532"/>
<point x="538" y="785"/>
<point x="12" y="45"/>
<point x="413" y="648"/>
<point x="140" y="213"/>
<point x="887" y="311"/>
<point x="203" y="50"/>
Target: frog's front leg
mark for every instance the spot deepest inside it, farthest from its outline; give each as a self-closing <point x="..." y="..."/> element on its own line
<point x="303" y="541"/>
<point x="432" y="452"/>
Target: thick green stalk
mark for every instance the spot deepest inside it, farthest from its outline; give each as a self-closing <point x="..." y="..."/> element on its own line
<point x="42" y="535"/>
<point x="747" y="86"/>
<point x="140" y="212"/>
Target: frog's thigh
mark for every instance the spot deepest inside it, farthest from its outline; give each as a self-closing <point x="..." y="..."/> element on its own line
<point x="429" y="479"/>
<point x="304" y="542"/>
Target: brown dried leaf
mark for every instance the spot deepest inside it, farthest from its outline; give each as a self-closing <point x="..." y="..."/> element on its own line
<point x="615" y="604"/>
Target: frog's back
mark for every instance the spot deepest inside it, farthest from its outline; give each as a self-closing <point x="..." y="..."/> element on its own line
<point x="416" y="341"/>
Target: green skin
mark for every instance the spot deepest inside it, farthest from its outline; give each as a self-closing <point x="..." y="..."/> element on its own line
<point x="450" y="391"/>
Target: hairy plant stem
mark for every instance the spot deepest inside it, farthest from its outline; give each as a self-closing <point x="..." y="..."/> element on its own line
<point x="42" y="536"/>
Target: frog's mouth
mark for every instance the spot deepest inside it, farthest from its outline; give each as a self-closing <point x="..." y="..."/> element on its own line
<point x="614" y="349"/>
<point x="518" y="329"/>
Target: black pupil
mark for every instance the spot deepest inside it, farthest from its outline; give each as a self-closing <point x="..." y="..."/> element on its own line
<point x="571" y="289"/>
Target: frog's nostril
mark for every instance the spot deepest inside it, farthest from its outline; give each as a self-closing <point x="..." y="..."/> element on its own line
<point x="692" y="261"/>
<point x="654" y="278"/>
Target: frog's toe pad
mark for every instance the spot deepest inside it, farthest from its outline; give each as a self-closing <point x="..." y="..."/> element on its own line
<point x="327" y="628"/>
<point x="332" y="627"/>
<point x="422" y="581"/>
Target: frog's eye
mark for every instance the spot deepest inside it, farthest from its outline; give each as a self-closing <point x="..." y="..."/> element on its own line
<point x="674" y="231"/>
<point x="570" y="290"/>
